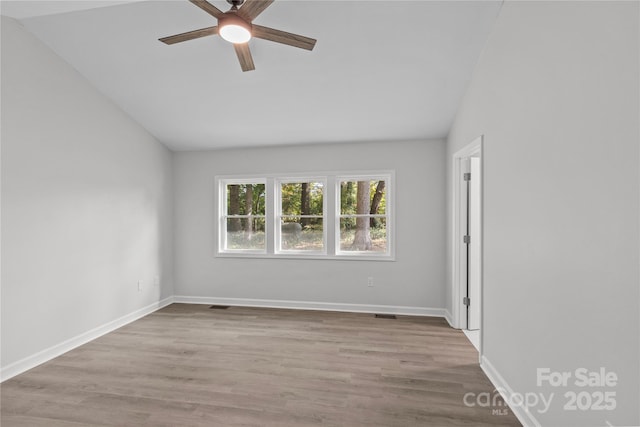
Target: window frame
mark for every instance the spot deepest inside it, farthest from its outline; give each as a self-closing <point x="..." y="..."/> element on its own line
<point x="331" y="215"/>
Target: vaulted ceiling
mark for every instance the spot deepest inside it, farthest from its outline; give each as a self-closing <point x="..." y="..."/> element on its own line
<point x="381" y="70"/>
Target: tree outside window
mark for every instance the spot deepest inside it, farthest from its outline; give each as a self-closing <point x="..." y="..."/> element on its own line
<point x="363" y="216"/>
<point x="245" y="216"/>
<point x="302" y="216"/>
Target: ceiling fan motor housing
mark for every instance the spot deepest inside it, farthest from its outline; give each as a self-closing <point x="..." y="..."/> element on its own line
<point x="231" y="17"/>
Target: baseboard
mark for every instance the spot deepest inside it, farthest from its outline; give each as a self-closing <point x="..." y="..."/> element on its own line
<point x="308" y="305"/>
<point x="43" y="356"/>
<point x="449" y="318"/>
<point x="521" y="412"/>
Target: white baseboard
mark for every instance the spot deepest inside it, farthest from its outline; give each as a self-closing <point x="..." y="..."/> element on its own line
<point x="521" y="412"/>
<point x="52" y="352"/>
<point x="449" y="318"/>
<point x="308" y="305"/>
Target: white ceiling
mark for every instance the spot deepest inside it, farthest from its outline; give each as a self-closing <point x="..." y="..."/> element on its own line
<point x="381" y="70"/>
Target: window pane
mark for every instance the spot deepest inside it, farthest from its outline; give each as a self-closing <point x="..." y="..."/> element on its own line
<point x="245" y="233"/>
<point x="366" y="234"/>
<point x="245" y="199"/>
<point x="296" y="237"/>
<point x="373" y="198"/>
<point x="302" y="198"/>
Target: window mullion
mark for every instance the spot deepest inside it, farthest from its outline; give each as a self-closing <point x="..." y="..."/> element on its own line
<point x="329" y="212"/>
<point x="221" y="189"/>
<point x="271" y="215"/>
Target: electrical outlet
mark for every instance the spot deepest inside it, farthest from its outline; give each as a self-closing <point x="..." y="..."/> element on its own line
<point x="370" y="282"/>
<point x="156" y="281"/>
<point x="139" y="285"/>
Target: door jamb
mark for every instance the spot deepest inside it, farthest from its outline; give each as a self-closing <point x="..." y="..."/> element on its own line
<point x="475" y="148"/>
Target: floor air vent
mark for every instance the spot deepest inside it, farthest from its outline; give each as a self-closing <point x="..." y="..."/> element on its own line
<point x="385" y="316"/>
<point x="219" y="307"/>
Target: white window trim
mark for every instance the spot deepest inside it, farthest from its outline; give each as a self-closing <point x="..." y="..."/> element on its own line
<point x="331" y="206"/>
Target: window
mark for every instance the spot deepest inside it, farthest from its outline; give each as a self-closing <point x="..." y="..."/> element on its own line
<point x="301" y="216"/>
<point x="362" y="215"/>
<point x="329" y="215"/>
<point x="244" y="217"/>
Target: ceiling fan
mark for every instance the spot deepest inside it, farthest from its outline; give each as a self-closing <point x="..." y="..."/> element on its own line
<point x="235" y="26"/>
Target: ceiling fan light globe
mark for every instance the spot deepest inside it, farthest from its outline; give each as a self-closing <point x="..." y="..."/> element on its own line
<point x="233" y="28"/>
<point x="235" y="33"/>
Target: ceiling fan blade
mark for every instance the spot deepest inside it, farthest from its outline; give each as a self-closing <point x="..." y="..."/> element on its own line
<point x="244" y="56"/>
<point x="195" y="34"/>
<point x="250" y="9"/>
<point x="208" y="7"/>
<point x="283" y="37"/>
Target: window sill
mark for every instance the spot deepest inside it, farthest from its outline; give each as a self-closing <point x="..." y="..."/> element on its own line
<point x="298" y="256"/>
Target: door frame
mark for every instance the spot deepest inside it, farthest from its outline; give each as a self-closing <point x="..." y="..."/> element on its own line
<point x="473" y="149"/>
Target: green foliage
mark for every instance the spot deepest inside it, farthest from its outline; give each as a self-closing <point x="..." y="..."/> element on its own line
<point x="373" y="185"/>
<point x="292" y="202"/>
<point x="349" y="197"/>
<point x="237" y="200"/>
<point x="348" y="202"/>
<point x="258" y="205"/>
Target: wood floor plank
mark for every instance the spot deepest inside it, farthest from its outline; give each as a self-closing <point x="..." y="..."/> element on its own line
<point x="188" y="365"/>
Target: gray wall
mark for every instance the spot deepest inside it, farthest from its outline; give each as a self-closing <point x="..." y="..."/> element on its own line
<point x="86" y="204"/>
<point x="556" y="95"/>
<point x="415" y="279"/>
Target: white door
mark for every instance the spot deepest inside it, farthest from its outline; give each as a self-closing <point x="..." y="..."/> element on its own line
<point x="473" y="259"/>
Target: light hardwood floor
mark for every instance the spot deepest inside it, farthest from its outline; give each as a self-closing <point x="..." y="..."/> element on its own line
<point x="188" y="365"/>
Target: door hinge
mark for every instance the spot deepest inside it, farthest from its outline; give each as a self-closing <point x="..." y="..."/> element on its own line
<point x="467" y="176"/>
<point x="466" y="239"/>
<point x="466" y="301"/>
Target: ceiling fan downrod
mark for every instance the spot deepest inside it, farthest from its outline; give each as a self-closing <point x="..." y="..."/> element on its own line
<point x="235" y="3"/>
